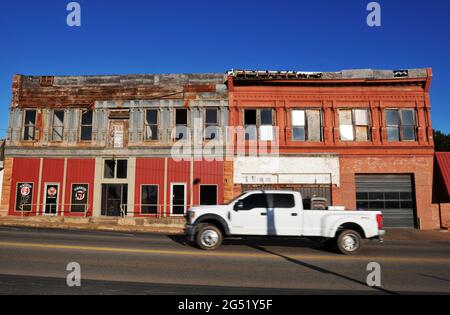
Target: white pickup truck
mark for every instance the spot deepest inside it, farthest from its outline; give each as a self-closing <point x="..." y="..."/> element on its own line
<point x="281" y="214"/>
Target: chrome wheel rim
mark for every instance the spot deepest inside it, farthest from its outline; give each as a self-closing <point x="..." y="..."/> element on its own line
<point x="350" y="242"/>
<point x="210" y="238"/>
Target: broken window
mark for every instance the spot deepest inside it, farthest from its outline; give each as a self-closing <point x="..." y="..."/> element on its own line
<point x="401" y="124"/>
<point x="58" y="126"/>
<point x="181" y="120"/>
<point x="354" y="124"/>
<point x="307" y="125"/>
<point x="151" y="125"/>
<point x="211" y="124"/>
<point x="116" y="169"/>
<point x="86" y="126"/>
<point x="30" y="125"/>
<point x="259" y="123"/>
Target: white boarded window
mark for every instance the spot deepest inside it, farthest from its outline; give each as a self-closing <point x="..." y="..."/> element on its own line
<point x="307" y="125"/>
<point x="354" y="125"/>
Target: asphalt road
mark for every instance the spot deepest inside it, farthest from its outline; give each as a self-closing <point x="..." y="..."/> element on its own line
<point x="35" y="262"/>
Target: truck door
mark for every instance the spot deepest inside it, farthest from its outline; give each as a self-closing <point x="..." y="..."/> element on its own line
<point x="251" y="218"/>
<point x="284" y="216"/>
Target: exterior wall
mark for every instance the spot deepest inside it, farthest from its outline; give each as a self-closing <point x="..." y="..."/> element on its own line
<point x="25" y="171"/>
<point x="79" y="171"/>
<point x="1" y="184"/>
<point x="445" y="215"/>
<point x="6" y="189"/>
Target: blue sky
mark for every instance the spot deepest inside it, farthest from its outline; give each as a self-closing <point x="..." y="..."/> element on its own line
<point x="176" y="36"/>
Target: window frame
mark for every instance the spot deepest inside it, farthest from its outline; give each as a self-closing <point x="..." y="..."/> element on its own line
<point x="305" y="127"/>
<point x="355" y="125"/>
<point x="63" y="127"/>
<point x="259" y="124"/>
<point x="400" y="125"/>
<point x="82" y="126"/>
<point x="184" y="138"/>
<point x="209" y="125"/>
<point x="115" y="169"/>
<point x="32" y="126"/>
<point x="200" y="193"/>
<point x="149" y="205"/>
<point x="73" y="185"/>
<point x="148" y="125"/>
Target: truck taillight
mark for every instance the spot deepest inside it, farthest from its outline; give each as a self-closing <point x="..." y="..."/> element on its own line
<point x="380" y="221"/>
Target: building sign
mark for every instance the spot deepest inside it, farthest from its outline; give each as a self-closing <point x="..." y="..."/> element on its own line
<point x="79" y="198"/>
<point x="118" y="136"/>
<point x="24" y="197"/>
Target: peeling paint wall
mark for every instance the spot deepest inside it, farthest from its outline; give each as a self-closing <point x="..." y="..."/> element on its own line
<point x="287" y="170"/>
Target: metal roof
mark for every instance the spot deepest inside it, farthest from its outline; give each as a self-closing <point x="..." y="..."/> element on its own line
<point x="443" y="160"/>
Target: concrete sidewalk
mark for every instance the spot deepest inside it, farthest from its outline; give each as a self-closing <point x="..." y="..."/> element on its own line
<point x="174" y="226"/>
<point x="144" y="225"/>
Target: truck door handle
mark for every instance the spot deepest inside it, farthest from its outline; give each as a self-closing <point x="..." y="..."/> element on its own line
<point x="264" y="214"/>
<point x="294" y="214"/>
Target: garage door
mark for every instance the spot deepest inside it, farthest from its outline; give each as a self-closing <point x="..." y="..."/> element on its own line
<point x="392" y="194"/>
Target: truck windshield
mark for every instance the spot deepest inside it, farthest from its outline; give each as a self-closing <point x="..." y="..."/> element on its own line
<point x="236" y="199"/>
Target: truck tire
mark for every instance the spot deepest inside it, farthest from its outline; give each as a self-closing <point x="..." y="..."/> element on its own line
<point x="349" y="242"/>
<point x="209" y="237"/>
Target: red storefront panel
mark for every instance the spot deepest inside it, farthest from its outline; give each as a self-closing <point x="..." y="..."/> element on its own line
<point x="208" y="173"/>
<point x="52" y="173"/>
<point x="24" y="171"/>
<point x="80" y="172"/>
<point x="149" y="172"/>
<point x="179" y="172"/>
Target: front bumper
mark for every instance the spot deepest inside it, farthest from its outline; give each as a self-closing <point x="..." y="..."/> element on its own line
<point x="189" y="231"/>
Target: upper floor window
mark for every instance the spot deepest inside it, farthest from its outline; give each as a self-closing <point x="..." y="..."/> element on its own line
<point x="181" y="121"/>
<point x="58" y="126"/>
<point x="354" y="124"/>
<point x="307" y="125"/>
<point x="401" y="124"/>
<point x="211" y="124"/>
<point x="259" y="124"/>
<point x="151" y="125"/>
<point x="86" y="126"/>
<point x="116" y="169"/>
<point x="29" y="133"/>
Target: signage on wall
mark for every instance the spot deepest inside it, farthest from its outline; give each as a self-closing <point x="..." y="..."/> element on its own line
<point x="24" y="197"/>
<point x="79" y="198"/>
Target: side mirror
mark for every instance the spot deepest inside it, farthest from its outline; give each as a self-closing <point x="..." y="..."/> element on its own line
<point x="239" y="205"/>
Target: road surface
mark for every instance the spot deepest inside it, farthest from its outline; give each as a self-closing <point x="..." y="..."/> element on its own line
<point x="35" y="262"/>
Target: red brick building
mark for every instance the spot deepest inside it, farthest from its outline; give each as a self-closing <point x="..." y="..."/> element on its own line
<point x="359" y="138"/>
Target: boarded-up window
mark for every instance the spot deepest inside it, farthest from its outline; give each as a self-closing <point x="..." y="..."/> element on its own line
<point x="354" y="124"/>
<point x="58" y="126"/>
<point x="259" y="124"/>
<point x="307" y="125"/>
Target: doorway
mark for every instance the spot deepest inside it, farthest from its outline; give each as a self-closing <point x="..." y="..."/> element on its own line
<point x="114" y="200"/>
<point x="51" y="197"/>
<point x="178" y="201"/>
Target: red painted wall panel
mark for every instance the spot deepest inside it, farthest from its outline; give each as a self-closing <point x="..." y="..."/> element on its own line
<point x="80" y="171"/>
<point x="52" y="173"/>
<point x="149" y="172"/>
<point x="24" y="171"/>
<point x="208" y="173"/>
<point x="179" y="172"/>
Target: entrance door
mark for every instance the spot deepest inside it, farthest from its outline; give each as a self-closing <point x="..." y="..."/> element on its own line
<point x="114" y="200"/>
<point x="254" y="218"/>
<point x="51" y="199"/>
<point x="178" y="201"/>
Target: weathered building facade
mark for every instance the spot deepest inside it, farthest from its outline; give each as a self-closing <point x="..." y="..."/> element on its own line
<point x="104" y="146"/>
<point x="362" y="139"/>
<point x="2" y="157"/>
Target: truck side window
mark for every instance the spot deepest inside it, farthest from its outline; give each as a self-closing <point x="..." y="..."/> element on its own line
<point x="255" y="201"/>
<point x="281" y="201"/>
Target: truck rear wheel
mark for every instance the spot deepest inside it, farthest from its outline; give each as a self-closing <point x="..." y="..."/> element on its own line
<point x="349" y="242"/>
<point x="209" y="237"/>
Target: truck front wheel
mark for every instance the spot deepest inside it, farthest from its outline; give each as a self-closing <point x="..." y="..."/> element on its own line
<point x="349" y="242"/>
<point x="209" y="237"/>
